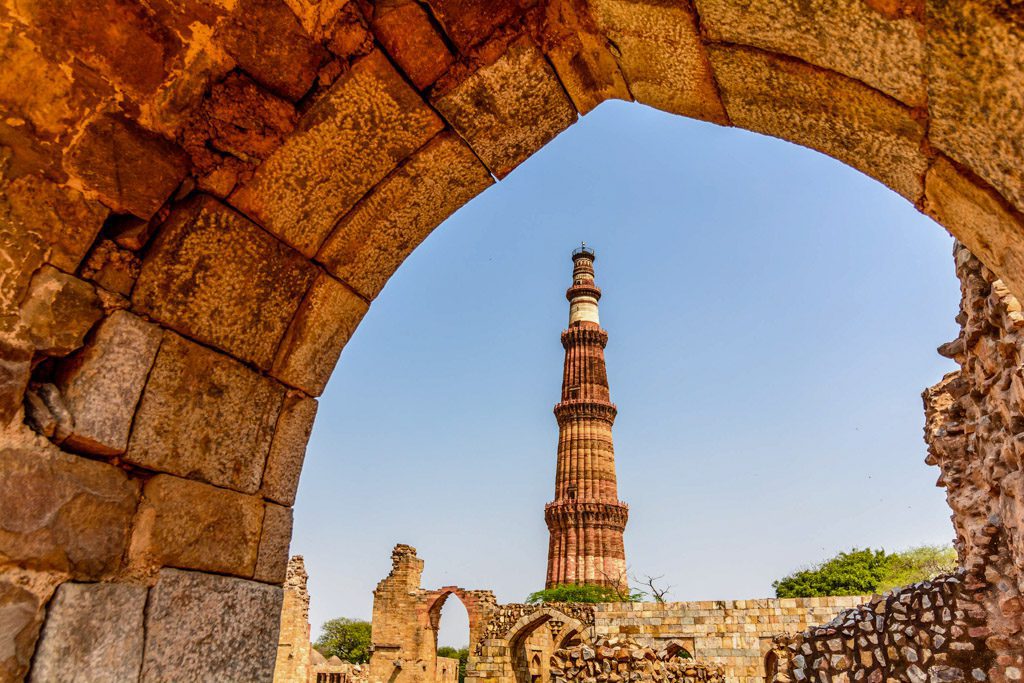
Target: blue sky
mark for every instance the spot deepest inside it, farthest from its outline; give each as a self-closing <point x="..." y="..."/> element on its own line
<point x="773" y="317"/>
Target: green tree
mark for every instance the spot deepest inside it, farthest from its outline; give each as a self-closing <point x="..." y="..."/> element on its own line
<point x="461" y="654"/>
<point x="861" y="572"/>
<point x="582" y="592"/>
<point x="917" y="564"/>
<point x="349" y="639"/>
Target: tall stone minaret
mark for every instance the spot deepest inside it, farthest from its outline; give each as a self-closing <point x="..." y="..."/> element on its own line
<point x="586" y="519"/>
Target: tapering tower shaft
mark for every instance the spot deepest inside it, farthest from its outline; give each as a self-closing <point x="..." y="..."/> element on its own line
<point x="586" y="520"/>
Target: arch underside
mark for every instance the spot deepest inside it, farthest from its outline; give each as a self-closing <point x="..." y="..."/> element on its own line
<point x="199" y="207"/>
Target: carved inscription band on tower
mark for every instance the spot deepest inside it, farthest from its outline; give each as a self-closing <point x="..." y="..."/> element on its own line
<point x="586" y="518"/>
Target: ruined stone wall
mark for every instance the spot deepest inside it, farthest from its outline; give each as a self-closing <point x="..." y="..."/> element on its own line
<point x="617" y="659"/>
<point x="294" y="650"/>
<point x="975" y="434"/>
<point x="734" y="633"/>
<point x="447" y="670"/>
<point x="932" y="631"/>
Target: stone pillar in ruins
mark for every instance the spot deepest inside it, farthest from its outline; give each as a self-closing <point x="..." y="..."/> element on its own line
<point x="586" y="518"/>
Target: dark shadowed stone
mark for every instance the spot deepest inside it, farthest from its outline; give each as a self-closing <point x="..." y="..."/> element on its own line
<point x="21" y="616"/>
<point x="131" y="169"/>
<point x="102" y="384"/>
<point x="408" y="36"/>
<point x="59" y="311"/>
<point x="205" y="416"/>
<point x="93" y="632"/>
<point x="202" y="627"/>
<point x="62" y="512"/>
<point x="251" y="283"/>
<point x="468" y="22"/>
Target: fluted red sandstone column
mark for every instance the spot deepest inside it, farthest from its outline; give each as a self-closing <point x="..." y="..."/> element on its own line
<point x="586" y="519"/>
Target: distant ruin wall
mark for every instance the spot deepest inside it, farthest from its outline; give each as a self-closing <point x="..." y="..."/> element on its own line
<point x="293" y="648"/>
<point x="734" y="633"/>
<point x="927" y="632"/>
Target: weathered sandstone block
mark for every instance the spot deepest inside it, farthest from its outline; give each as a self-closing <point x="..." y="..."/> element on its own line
<point x="206" y="416"/>
<point x="288" y="449"/>
<point x="323" y="324"/>
<point x="976" y="68"/>
<point x="184" y="523"/>
<point x="15" y="371"/>
<point x="93" y="632"/>
<point x="268" y="42"/>
<point x="408" y="36"/>
<point x="60" y="220"/>
<point x="383" y="229"/>
<point x="660" y="54"/>
<point x="468" y="22"/>
<point x="358" y="131"/>
<point x="855" y="38"/>
<point x="508" y="110"/>
<point x="62" y="512"/>
<point x="201" y="627"/>
<point x="272" y="560"/>
<point x="131" y="169"/>
<point x="102" y="384"/>
<point x="58" y="311"/>
<point x="979" y="218"/>
<point x="251" y="286"/>
<point x="112" y="267"/>
<point x="823" y="111"/>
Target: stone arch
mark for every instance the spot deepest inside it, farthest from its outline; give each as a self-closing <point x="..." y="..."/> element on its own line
<point x="127" y="171"/>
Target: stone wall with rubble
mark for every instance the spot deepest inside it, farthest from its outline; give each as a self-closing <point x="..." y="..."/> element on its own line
<point x="294" y="649"/>
<point x="199" y="201"/>
<point x="928" y="632"/>
<point x="621" y="659"/>
<point x="736" y="634"/>
<point x="975" y="433"/>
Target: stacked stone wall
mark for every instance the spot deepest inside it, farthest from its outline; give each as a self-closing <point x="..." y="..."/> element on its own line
<point x="615" y="660"/>
<point x="928" y="632"/>
<point x="734" y="633"/>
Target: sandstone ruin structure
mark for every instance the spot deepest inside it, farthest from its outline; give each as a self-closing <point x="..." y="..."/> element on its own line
<point x="514" y="643"/>
<point x="200" y="200"/>
<point x="586" y="519"/>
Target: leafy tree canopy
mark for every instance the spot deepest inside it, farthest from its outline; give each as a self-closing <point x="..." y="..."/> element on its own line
<point x="861" y="572"/>
<point x="580" y="592"/>
<point x="349" y="639"/>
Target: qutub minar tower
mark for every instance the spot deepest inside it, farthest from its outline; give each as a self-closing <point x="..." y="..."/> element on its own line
<point x="586" y="519"/>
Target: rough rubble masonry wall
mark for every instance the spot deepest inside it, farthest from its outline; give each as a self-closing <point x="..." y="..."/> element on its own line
<point x="975" y="433"/>
<point x="293" y="647"/>
<point x="734" y="633"/>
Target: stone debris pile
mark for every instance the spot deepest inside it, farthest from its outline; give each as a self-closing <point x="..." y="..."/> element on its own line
<point x="611" y="660"/>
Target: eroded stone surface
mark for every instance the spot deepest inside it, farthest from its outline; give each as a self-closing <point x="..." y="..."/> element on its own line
<point x="351" y="138"/>
<point x="288" y="450"/>
<point x="62" y="512"/>
<point x="130" y="169"/>
<point x="23" y="596"/>
<point x="251" y="286"/>
<point x="823" y="111"/>
<point x="847" y="36"/>
<point x="59" y="311"/>
<point x="101" y="386"/>
<point x="326" y="319"/>
<point x="383" y="229"/>
<point x="979" y="218"/>
<point x="201" y="627"/>
<point x="468" y="22"/>
<point x="187" y="524"/>
<point x="93" y="632"/>
<point x="206" y="416"/>
<point x="272" y="560"/>
<point x="508" y="110"/>
<point x="660" y="55"/>
<point x="976" y="68"/>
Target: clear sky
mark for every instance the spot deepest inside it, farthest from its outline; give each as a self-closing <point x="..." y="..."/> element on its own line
<point x="773" y="317"/>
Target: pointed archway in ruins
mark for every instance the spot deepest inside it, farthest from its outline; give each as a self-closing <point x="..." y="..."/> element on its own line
<point x="200" y="206"/>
